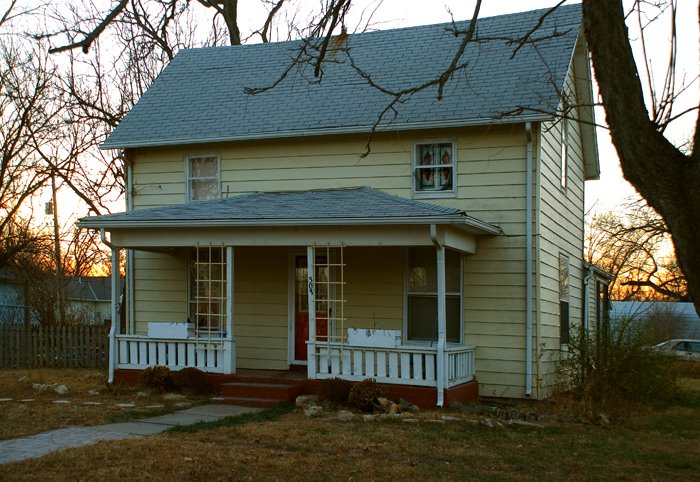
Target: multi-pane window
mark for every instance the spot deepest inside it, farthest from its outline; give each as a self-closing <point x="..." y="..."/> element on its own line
<point x="208" y="288"/>
<point x="202" y="177"/>
<point x="434" y="167"/>
<point x="422" y="296"/>
<point x="564" y="299"/>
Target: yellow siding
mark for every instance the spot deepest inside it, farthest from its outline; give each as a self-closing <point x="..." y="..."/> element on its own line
<point x="160" y="289"/>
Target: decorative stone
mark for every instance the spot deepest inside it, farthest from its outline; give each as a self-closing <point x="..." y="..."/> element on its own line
<point x="450" y="418"/>
<point x="41" y="387"/>
<point x="523" y="423"/>
<point x="393" y="409"/>
<point x="345" y="415"/>
<point x="5" y="399"/>
<point x="368" y="417"/>
<point x="173" y="396"/>
<point x="158" y="405"/>
<point x="304" y="401"/>
<point x="603" y="419"/>
<point x="27" y="400"/>
<point x="126" y="405"/>
<point x="62" y="402"/>
<point x="410" y="420"/>
<point x="384" y="402"/>
<point x="490" y="423"/>
<point x="141" y="395"/>
<point x="93" y="392"/>
<point x="23" y="379"/>
<point x="61" y="389"/>
<point x="313" y="410"/>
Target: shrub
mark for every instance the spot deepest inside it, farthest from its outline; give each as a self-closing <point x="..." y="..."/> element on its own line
<point x="159" y="377"/>
<point x="364" y="394"/>
<point x="335" y="390"/>
<point x="192" y="380"/>
<point x="614" y="371"/>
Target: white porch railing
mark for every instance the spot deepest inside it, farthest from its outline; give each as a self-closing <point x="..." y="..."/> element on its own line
<point x="206" y="354"/>
<point x="402" y="365"/>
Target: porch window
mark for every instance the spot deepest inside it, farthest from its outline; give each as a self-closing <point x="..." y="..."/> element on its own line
<point x="207" y="298"/>
<point x="434" y="168"/>
<point x="422" y="295"/>
<point x="564" y="329"/>
<point x="202" y="177"/>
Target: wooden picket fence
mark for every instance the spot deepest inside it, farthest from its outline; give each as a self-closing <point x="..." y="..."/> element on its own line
<point x="63" y="346"/>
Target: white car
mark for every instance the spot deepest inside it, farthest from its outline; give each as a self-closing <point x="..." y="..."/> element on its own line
<point x="683" y="348"/>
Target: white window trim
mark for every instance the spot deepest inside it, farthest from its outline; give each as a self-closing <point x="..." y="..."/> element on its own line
<point x="188" y="176"/>
<point x="415" y="164"/>
<point x="425" y="343"/>
<point x="192" y="316"/>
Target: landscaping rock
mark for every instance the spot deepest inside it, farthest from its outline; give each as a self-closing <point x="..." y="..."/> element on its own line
<point x="93" y="392"/>
<point x="450" y="418"/>
<point x="304" y="401"/>
<point x="523" y="423"/>
<point x="27" y="400"/>
<point x="410" y="420"/>
<point x="603" y="419"/>
<point x="126" y="405"/>
<point x="173" y="396"/>
<point x="408" y="407"/>
<point x="41" y="387"/>
<point x="491" y="424"/>
<point x="61" y="389"/>
<point x="62" y="402"/>
<point x="313" y="410"/>
<point x="345" y="415"/>
<point x="158" y="405"/>
<point x="368" y="417"/>
<point x="141" y="395"/>
<point x="92" y="403"/>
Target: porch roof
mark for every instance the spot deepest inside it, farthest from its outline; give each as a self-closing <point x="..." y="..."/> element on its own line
<point x="350" y="206"/>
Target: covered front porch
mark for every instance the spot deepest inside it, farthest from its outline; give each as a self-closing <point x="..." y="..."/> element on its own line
<point x="333" y="297"/>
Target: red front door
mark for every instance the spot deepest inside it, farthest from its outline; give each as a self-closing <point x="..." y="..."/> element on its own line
<point x="301" y="306"/>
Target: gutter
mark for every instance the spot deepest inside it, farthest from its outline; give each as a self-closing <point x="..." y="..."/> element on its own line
<point x="528" y="262"/>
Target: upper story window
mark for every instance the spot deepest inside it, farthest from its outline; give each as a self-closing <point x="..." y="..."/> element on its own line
<point x="564" y="150"/>
<point x="202" y="177"/>
<point x="434" y="168"/>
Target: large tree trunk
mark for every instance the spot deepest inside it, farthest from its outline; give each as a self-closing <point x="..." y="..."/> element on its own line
<point x="667" y="178"/>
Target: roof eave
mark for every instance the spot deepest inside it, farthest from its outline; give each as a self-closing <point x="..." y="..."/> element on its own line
<point x="467" y="223"/>
<point x="364" y="129"/>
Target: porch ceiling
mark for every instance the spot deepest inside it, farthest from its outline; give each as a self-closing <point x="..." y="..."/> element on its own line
<point x="353" y="217"/>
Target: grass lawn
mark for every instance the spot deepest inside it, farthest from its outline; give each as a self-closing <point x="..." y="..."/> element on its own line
<point x="653" y="445"/>
<point x="89" y="401"/>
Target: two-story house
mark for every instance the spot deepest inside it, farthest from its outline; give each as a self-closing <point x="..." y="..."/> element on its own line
<point x="258" y="236"/>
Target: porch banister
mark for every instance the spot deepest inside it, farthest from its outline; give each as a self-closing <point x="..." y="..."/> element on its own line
<point x="311" y="347"/>
<point x="114" y="328"/>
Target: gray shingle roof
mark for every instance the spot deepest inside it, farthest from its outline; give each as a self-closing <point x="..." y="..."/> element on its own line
<point x="199" y="97"/>
<point x="360" y="205"/>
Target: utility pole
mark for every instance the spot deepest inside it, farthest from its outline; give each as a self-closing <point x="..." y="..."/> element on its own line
<point x="57" y="251"/>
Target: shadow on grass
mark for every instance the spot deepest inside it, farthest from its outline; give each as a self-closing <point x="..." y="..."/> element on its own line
<point x="263" y="416"/>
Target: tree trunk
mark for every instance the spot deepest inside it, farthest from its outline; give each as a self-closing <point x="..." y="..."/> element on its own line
<point x="666" y="177"/>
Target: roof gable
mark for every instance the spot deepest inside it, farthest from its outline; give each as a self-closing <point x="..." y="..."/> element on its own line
<point x="200" y="96"/>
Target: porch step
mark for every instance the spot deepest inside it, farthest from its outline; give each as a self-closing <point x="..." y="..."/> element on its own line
<point x="265" y="393"/>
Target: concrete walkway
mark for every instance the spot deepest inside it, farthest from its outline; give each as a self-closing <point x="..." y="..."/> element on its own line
<point x="40" y="444"/>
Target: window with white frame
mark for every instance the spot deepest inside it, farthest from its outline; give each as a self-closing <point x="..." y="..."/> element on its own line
<point x="564" y="328"/>
<point x="202" y="177"/>
<point x="207" y="290"/>
<point x="564" y="151"/>
<point x="434" y="168"/>
<point x="421" y="296"/>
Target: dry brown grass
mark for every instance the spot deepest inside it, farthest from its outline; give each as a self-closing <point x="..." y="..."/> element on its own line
<point x="92" y="401"/>
<point x="654" y="445"/>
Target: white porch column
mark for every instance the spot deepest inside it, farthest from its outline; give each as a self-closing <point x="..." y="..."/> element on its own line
<point x="311" y="295"/>
<point x="229" y="343"/>
<point x="114" y="328"/>
<point x="441" y="325"/>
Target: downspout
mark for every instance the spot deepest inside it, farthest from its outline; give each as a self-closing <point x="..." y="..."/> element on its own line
<point x="115" y="309"/>
<point x="528" y="261"/>
<point x="441" y="316"/>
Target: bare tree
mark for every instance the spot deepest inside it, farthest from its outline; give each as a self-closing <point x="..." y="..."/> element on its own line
<point x="667" y="177"/>
<point x="632" y="247"/>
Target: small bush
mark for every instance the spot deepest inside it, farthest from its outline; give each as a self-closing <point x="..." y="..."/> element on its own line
<point x="159" y="377"/>
<point x="192" y="380"/>
<point x="614" y="372"/>
<point x="335" y="390"/>
<point x="364" y="394"/>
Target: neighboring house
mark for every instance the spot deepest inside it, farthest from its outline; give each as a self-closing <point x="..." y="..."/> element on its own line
<point x="668" y="319"/>
<point x="90" y="298"/>
<point x="13" y="308"/>
<point x="258" y="237"/>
